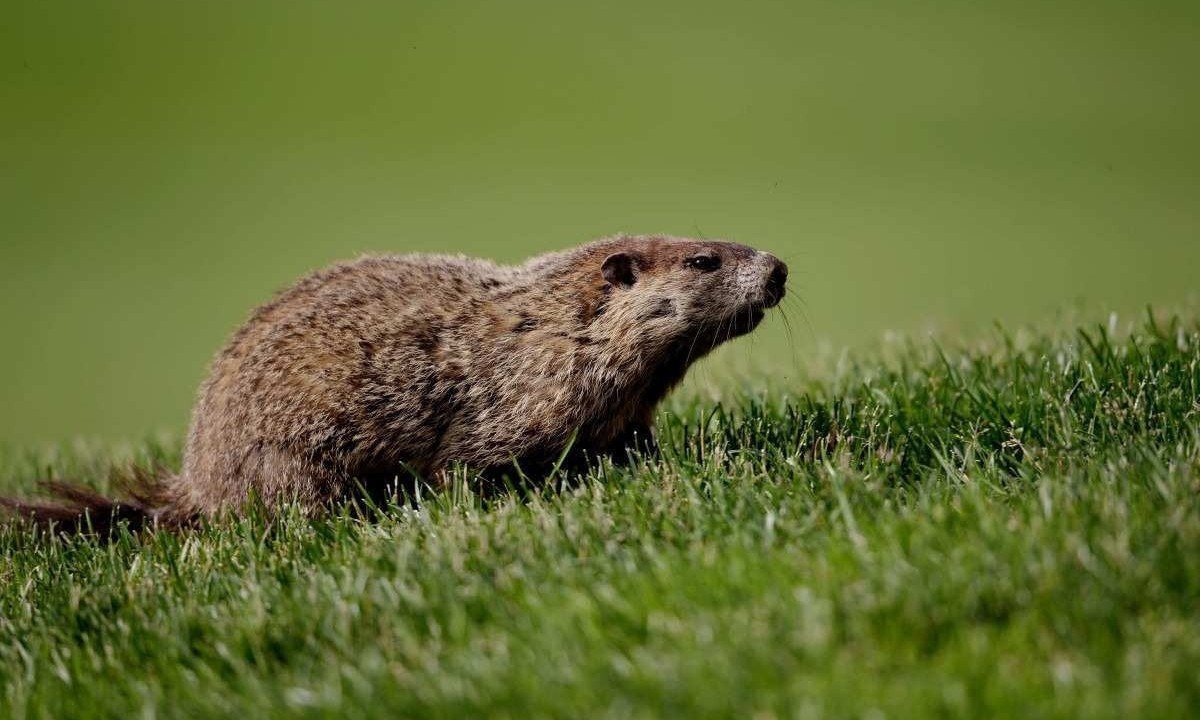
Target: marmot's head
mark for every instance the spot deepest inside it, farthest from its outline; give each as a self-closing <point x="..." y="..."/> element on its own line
<point x="677" y="293"/>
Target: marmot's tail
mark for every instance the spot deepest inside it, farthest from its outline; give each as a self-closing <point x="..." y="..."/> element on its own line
<point x="71" y="509"/>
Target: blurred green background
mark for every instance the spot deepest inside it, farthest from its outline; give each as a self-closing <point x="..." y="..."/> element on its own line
<point x="166" y="166"/>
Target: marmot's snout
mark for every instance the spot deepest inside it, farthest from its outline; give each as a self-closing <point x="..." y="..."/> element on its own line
<point x="775" y="286"/>
<point x="763" y="281"/>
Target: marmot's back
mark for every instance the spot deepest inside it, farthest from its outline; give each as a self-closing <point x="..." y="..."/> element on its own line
<point x="345" y="362"/>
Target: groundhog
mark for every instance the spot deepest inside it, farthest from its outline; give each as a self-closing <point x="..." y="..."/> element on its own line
<point x="401" y="366"/>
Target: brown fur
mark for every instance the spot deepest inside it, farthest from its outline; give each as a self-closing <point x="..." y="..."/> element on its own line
<point x="385" y="366"/>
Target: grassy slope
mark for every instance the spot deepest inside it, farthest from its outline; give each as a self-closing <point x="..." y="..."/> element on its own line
<point x="1012" y="528"/>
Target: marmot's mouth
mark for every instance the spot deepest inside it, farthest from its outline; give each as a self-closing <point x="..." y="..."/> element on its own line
<point x="743" y="321"/>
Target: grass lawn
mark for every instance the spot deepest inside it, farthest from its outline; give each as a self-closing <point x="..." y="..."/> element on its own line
<point x="1007" y="526"/>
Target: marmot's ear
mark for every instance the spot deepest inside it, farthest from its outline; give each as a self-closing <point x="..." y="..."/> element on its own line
<point x="620" y="269"/>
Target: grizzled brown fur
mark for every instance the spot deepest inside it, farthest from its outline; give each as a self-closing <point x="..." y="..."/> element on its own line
<point x="386" y="366"/>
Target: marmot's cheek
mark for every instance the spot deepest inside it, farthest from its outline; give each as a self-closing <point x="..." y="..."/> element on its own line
<point x="664" y="308"/>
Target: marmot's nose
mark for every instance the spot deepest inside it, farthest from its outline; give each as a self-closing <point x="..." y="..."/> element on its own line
<point x="776" y="285"/>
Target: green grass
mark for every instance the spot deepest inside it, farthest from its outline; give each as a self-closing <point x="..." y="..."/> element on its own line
<point x="1007" y="527"/>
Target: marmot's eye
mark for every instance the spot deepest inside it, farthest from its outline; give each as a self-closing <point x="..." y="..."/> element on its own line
<point x="704" y="263"/>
